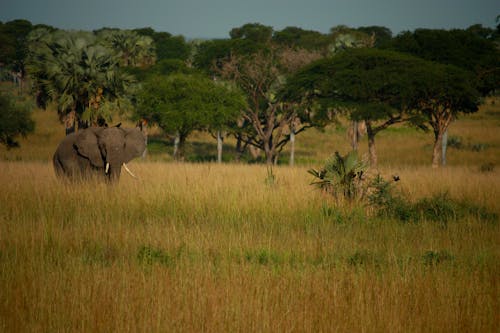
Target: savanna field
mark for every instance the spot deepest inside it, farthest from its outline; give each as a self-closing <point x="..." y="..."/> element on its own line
<point x="203" y="247"/>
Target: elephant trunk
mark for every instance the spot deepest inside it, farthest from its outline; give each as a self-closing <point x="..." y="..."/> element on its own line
<point x="113" y="171"/>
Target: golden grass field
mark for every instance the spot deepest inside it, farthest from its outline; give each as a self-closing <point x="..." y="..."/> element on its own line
<point x="202" y="247"/>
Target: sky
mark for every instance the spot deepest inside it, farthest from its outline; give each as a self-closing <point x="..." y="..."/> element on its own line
<point x="216" y="18"/>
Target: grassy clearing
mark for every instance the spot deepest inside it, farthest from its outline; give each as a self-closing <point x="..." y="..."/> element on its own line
<point x="213" y="248"/>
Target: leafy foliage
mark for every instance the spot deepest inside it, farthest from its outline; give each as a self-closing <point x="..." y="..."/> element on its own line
<point x="182" y="103"/>
<point x="462" y="48"/>
<point x="13" y="46"/>
<point x="294" y="37"/>
<point x="256" y="32"/>
<point x="15" y="119"/>
<point x="440" y="208"/>
<point x="132" y="49"/>
<point x="269" y="118"/>
<point x="212" y="53"/>
<point x="387" y="87"/>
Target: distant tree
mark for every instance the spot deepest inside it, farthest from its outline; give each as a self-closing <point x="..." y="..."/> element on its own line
<point x="211" y="54"/>
<point x="15" y="120"/>
<point x="161" y="67"/>
<point x="181" y="104"/>
<point x="383" y="35"/>
<point x="133" y="49"/>
<point x="13" y="47"/>
<point x="147" y="31"/>
<point x="255" y="32"/>
<point x="294" y="37"/>
<point x="267" y="119"/>
<point x="344" y="37"/>
<point x="442" y="92"/>
<point x="171" y="47"/>
<point x="481" y="31"/>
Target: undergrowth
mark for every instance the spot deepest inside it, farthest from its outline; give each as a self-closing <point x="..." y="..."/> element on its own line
<point x="439" y="207"/>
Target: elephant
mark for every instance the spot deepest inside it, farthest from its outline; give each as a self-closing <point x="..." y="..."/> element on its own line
<point x="98" y="152"/>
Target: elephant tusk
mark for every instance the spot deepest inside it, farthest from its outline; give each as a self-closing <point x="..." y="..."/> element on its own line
<point x="129" y="172"/>
<point x="107" y="168"/>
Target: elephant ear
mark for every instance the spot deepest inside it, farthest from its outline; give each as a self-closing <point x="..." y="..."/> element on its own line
<point x="135" y="144"/>
<point x="88" y="146"/>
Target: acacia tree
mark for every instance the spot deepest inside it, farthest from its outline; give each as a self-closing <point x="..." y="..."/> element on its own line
<point x="384" y="88"/>
<point x="268" y="117"/>
<point x="442" y="92"/>
<point x="371" y="85"/>
<point x="294" y="37"/>
<point x="461" y="48"/>
<point x="181" y="104"/>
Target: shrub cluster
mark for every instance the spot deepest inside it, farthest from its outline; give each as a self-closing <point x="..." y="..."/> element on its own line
<point x="345" y="177"/>
<point x="440" y="207"/>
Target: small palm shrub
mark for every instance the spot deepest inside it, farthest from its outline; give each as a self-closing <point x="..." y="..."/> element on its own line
<point x="342" y="176"/>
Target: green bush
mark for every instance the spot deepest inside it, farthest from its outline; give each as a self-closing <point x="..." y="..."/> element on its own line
<point x="389" y="204"/>
<point x="440" y="207"/>
<point x="15" y="119"/>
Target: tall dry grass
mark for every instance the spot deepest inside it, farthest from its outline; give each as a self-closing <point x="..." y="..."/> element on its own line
<point x="204" y="247"/>
<point x="221" y="248"/>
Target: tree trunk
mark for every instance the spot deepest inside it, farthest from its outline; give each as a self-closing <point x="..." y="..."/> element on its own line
<point x="436" y="152"/>
<point x="269" y="152"/>
<point x="354" y="135"/>
<point x="176" y="146"/>
<point x="372" y="152"/>
<point x="440" y="126"/>
<point x="269" y="157"/>
<point x="444" y="145"/>
<point x="180" y="149"/>
<point x="240" y="147"/>
<point x="292" y="147"/>
<point x="220" y="140"/>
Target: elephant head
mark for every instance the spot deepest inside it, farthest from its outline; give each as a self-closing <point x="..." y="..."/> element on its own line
<point x="107" y="149"/>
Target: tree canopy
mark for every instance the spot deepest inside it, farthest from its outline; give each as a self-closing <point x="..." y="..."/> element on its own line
<point x="89" y="75"/>
<point x="462" y="48"/>
<point x="15" y="120"/>
<point x="181" y="104"/>
<point x="79" y="73"/>
<point x="384" y="87"/>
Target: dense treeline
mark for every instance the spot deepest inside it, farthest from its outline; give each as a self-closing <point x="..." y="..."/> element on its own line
<point x="261" y="86"/>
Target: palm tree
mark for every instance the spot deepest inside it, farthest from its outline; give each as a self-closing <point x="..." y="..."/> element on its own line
<point x="80" y="75"/>
<point x="133" y="49"/>
<point x="341" y="176"/>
